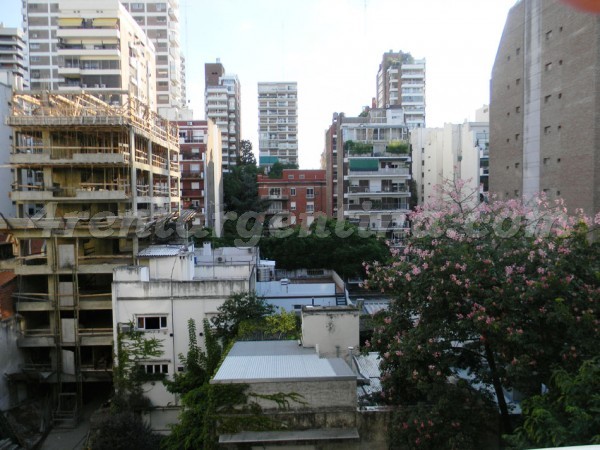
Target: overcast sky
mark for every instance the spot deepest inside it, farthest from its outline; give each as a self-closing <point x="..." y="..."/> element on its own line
<point x="332" y="48"/>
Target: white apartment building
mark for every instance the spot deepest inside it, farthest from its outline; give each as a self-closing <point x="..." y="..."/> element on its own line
<point x="53" y="35"/>
<point x="278" y="123"/>
<point x="98" y="47"/>
<point x="456" y="151"/>
<point x="401" y="82"/>
<point x="12" y="52"/>
<point x="170" y="285"/>
<point x="160" y="21"/>
<point x="222" y="103"/>
<point x="372" y="165"/>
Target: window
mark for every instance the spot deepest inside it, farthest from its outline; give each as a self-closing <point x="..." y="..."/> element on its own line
<point x="310" y="207"/>
<point x="293" y="192"/>
<point x="195" y="167"/>
<point x="196" y="185"/>
<point x="152" y="322"/>
<point x="301" y="177"/>
<point x="293" y="206"/>
<point x="156" y="368"/>
<point x="290" y="177"/>
<point x="275" y="192"/>
<point x="310" y="193"/>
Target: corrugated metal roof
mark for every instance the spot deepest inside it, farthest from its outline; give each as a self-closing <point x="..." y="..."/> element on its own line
<point x="162" y="250"/>
<point x="368" y="365"/>
<point x="251" y="361"/>
<point x="373" y="307"/>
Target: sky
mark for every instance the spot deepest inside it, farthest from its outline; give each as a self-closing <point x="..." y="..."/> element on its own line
<point x="333" y="48"/>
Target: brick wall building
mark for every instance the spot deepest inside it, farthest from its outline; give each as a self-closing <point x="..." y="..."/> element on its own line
<point x="298" y="193"/>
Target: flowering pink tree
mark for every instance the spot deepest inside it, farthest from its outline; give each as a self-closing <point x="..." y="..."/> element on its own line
<point x="501" y="293"/>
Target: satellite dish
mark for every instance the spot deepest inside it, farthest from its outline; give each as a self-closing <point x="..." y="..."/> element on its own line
<point x="592" y="6"/>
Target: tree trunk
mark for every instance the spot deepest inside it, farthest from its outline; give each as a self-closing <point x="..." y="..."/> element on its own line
<point x="489" y="355"/>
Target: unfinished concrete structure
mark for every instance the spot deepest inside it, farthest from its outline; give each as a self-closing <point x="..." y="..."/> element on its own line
<point x="92" y="183"/>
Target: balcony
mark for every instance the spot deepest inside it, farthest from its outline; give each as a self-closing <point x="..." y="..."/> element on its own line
<point x="96" y="336"/>
<point x="395" y="191"/>
<point x="83" y="192"/>
<point x="39" y="155"/>
<point x="275" y="197"/>
<point x="36" y="337"/>
<point x="193" y="175"/>
<point x="383" y="172"/>
<point x="87" y="33"/>
<point x="371" y="206"/>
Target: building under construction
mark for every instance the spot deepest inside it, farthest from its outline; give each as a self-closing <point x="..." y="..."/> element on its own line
<point x="92" y="184"/>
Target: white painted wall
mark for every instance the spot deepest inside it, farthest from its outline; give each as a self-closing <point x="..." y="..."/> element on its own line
<point x="447" y="153"/>
<point x="179" y="301"/>
<point x="330" y="330"/>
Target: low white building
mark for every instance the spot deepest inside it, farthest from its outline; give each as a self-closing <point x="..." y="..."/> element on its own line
<point x="326" y="415"/>
<point x="291" y="290"/>
<point x="170" y="285"/>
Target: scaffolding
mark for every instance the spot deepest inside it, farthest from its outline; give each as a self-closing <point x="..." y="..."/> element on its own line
<point x="92" y="179"/>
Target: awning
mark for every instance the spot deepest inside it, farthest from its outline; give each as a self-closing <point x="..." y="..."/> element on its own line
<point x="364" y="164"/>
<point x="105" y="22"/>
<point x="70" y="22"/>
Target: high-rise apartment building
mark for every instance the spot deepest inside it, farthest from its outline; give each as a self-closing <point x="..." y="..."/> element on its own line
<point x="83" y="44"/>
<point x="544" y="106"/>
<point x="160" y="21"/>
<point x="98" y="47"/>
<point x="368" y="163"/>
<point x="222" y="95"/>
<point x="12" y="52"/>
<point x="278" y="123"/>
<point x="401" y="82"/>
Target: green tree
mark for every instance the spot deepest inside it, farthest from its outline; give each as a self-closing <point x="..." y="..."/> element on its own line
<point x="240" y="190"/>
<point x="276" y="170"/>
<point x="568" y="414"/>
<point x="329" y="244"/>
<point x="123" y="431"/>
<point x="238" y="309"/>
<point x="498" y="293"/>
<point x="198" y="365"/>
<point x="246" y="155"/>
<point x="133" y="347"/>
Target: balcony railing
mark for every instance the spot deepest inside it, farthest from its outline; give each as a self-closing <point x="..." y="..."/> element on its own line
<point x="370" y="206"/>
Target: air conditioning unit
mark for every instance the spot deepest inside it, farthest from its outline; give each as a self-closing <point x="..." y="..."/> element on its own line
<point x="125" y="327"/>
<point x="84" y="86"/>
<point x="220" y="259"/>
<point x="102" y="85"/>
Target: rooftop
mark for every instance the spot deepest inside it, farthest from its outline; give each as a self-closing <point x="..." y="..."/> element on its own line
<point x="269" y="361"/>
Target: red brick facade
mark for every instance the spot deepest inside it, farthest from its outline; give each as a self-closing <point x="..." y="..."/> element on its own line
<point x="299" y="192"/>
<point x="192" y="139"/>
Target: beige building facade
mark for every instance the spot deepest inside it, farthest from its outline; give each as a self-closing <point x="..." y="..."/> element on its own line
<point x="544" y="136"/>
